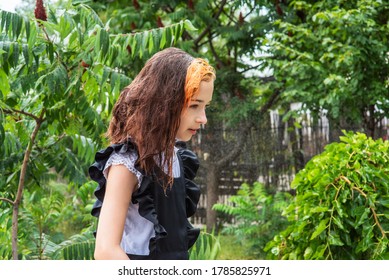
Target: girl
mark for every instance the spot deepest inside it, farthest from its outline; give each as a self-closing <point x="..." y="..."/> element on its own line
<point x="145" y="192"/>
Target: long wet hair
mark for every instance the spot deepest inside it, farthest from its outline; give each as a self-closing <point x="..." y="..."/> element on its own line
<point x="148" y="110"/>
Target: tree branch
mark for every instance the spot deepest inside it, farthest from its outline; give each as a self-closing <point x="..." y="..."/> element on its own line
<point x="21" y="112"/>
<point x="19" y="193"/>
<point x="212" y="36"/>
<point x="249" y="13"/>
<point x="206" y="30"/>
<point x="377" y="222"/>
<point x="230" y="16"/>
<point x="56" y="53"/>
<point x="217" y="58"/>
<point x="6" y="200"/>
<point x="270" y="102"/>
<point x="236" y="149"/>
<point x="267" y="79"/>
<point x="245" y="131"/>
<point x="250" y="68"/>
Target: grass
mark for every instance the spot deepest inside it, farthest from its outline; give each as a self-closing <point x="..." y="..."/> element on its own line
<point x="232" y="249"/>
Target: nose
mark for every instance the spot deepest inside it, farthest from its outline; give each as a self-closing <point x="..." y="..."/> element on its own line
<point x="202" y="118"/>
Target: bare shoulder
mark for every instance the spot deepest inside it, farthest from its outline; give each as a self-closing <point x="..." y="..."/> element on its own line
<point x="121" y="181"/>
<point x="119" y="188"/>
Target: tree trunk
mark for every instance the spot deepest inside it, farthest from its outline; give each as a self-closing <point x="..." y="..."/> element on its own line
<point x="295" y="137"/>
<point x="215" y="167"/>
<point x="371" y="123"/>
<point x="19" y="194"/>
<point x="213" y="175"/>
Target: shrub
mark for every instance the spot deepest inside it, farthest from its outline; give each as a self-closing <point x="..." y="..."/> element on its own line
<point x="341" y="207"/>
<point x="257" y="216"/>
<point x="207" y="247"/>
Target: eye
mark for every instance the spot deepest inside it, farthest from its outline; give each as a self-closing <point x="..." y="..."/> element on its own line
<point x="194" y="106"/>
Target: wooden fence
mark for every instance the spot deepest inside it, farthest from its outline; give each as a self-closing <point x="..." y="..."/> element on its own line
<point x="271" y="155"/>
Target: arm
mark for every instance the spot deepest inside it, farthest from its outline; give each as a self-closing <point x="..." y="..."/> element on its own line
<point x="120" y="185"/>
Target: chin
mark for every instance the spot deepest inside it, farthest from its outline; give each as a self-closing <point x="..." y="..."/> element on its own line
<point x="185" y="139"/>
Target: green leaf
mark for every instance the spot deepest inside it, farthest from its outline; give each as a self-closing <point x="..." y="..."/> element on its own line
<point x="362" y="218"/>
<point x="77" y="2"/>
<point x="133" y="45"/>
<point x="50" y="51"/>
<point x="177" y="32"/>
<point x="14" y="55"/>
<point x="17" y="23"/>
<point x="58" y="105"/>
<point x="163" y="39"/>
<point x="140" y="43"/>
<point x="308" y="253"/>
<point x="4" y="83"/>
<point x="189" y="26"/>
<point x="334" y="239"/>
<point x="2" y="132"/>
<point x="338" y="223"/>
<point x="27" y="28"/>
<point x="319" y="209"/>
<point x="384" y="201"/>
<point x="104" y="41"/>
<point x="156" y="33"/>
<point x="151" y="42"/>
<point x="26" y="55"/>
<point x="31" y="40"/>
<point x="320" y="228"/>
<point x="145" y="40"/>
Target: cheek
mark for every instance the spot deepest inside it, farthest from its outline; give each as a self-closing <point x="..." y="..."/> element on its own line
<point x="182" y="123"/>
<point x="184" y="119"/>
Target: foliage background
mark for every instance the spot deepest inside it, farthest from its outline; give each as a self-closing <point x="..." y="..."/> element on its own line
<point x="341" y="207"/>
<point x="61" y="75"/>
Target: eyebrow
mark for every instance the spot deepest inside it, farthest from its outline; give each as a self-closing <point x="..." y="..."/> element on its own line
<point x="200" y="101"/>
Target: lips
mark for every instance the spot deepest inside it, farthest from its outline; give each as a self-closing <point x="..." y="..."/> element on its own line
<point x="193" y="131"/>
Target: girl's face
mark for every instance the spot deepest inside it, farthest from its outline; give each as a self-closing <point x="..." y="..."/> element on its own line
<point x="194" y="116"/>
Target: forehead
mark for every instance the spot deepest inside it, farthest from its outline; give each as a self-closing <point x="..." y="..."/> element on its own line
<point x="205" y="92"/>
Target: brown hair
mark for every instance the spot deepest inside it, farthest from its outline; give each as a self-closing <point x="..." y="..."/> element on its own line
<point x="148" y="110"/>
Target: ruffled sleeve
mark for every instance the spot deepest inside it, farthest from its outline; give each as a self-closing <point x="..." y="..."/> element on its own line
<point x="96" y="171"/>
<point x="145" y="196"/>
<point x="190" y="165"/>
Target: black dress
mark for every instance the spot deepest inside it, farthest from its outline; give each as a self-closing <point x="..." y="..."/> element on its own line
<point x="168" y="212"/>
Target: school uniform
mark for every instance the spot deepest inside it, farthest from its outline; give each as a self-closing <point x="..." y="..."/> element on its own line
<point x="156" y="225"/>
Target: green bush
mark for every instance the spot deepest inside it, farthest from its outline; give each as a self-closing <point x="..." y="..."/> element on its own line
<point x="55" y="223"/>
<point x="207" y="247"/>
<point x="257" y="216"/>
<point x="341" y="207"/>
